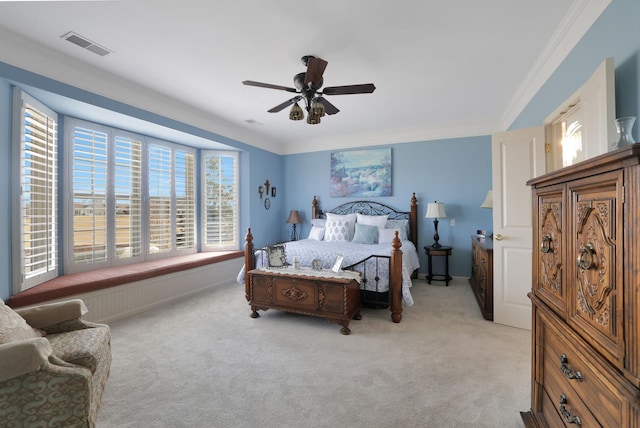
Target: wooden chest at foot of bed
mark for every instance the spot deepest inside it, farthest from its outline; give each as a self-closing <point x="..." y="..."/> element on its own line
<point x="335" y="298"/>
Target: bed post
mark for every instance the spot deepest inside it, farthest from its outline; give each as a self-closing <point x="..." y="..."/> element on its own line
<point x="315" y="211"/>
<point x="413" y="220"/>
<point x="395" y="279"/>
<point x="248" y="261"/>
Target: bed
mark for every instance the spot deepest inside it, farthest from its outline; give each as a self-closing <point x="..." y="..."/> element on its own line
<point x="386" y="265"/>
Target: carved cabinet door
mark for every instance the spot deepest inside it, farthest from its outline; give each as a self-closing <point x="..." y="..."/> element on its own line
<point x="549" y="281"/>
<point x="595" y="288"/>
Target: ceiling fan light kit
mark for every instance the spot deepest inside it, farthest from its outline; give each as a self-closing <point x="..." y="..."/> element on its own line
<point x="296" y="112"/>
<point x="308" y="85"/>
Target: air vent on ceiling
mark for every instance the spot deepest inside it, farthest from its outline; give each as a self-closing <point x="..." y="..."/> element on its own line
<point x="83" y="42"/>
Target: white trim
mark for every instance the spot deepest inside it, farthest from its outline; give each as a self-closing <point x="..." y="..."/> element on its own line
<point x="203" y="199"/>
<point x="20" y="283"/>
<point x="577" y="21"/>
<point x="17" y="263"/>
<point x="392" y="136"/>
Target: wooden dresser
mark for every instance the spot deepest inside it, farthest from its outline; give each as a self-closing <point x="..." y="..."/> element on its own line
<point x="482" y="274"/>
<point x="586" y="256"/>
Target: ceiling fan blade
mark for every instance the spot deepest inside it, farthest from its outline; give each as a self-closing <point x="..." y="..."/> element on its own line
<point x="268" y="85"/>
<point x="328" y="107"/>
<point x="365" y="88"/>
<point x="315" y="69"/>
<point x="285" y="104"/>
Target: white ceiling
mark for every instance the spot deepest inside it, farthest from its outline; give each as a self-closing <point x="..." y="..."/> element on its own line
<point x="441" y="68"/>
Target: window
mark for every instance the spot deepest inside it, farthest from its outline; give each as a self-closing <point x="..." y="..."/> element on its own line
<point x="565" y="135"/>
<point x="35" y="193"/>
<point x="128" y="197"/>
<point x="185" y="212"/>
<point x="133" y="197"/>
<point x="89" y="175"/>
<point x="220" y="200"/>
<point x="160" y="191"/>
<point x="124" y="197"/>
<point x="583" y="125"/>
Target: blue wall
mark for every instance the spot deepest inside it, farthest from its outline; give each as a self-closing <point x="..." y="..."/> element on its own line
<point x="456" y="172"/>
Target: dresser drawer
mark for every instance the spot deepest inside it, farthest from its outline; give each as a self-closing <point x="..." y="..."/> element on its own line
<point x="568" y="368"/>
<point x="567" y="405"/>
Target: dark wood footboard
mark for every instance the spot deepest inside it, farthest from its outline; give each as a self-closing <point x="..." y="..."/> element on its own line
<point x="395" y="273"/>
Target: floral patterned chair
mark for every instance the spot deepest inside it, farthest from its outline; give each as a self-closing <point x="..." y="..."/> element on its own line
<point x="53" y="365"/>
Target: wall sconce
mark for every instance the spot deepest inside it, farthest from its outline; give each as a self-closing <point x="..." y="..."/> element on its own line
<point x="435" y="210"/>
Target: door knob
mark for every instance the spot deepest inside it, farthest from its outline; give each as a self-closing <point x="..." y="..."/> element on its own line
<point x="499" y="237"/>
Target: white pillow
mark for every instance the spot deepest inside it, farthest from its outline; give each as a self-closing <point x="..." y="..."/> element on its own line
<point x="316" y="233"/>
<point x="337" y="230"/>
<point x="385" y="236"/>
<point x="320" y="222"/>
<point x="351" y="218"/>
<point x="373" y="220"/>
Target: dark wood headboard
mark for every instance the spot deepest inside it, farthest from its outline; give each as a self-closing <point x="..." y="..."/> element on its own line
<point x="375" y="208"/>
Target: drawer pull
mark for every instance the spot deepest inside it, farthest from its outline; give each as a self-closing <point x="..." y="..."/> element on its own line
<point x="566" y="414"/>
<point x="545" y="247"/>
<point x="567" y="372"/>
<point x="585" y="258"/>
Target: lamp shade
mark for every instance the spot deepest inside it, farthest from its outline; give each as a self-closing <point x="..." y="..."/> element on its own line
<point x="296" y="112"/>
<point x="294" y="217"/>
<point x="435" y="210"/>
<point x="488" y="200"/>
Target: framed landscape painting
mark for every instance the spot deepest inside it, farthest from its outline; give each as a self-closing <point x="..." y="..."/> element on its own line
<point x="364" y="173"/>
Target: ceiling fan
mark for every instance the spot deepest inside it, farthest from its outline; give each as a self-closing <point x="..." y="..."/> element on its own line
<point x="307" y="85"/>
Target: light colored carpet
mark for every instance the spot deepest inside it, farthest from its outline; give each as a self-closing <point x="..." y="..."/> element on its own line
<point x="203" y="362"/>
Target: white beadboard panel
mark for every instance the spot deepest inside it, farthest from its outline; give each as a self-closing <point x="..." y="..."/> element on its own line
<point x="129" y="299"/>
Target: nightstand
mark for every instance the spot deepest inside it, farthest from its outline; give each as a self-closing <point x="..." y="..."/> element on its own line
<point x="442" y="251"/>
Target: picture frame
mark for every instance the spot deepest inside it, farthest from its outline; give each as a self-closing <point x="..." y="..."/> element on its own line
<point x="277" y="256"/>
<point x="356" y="173"/>
<point x="273" y="192"/>
<point x="267" y="203"/>
<point x="337" y="265"/>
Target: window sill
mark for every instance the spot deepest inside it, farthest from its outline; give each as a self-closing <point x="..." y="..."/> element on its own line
<point x="70" y="285"/>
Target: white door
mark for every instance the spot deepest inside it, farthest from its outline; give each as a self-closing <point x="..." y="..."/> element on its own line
<point x="517" y="156"/>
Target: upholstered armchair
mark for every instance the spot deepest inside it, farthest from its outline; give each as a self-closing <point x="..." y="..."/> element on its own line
<point x="53" y="365"/>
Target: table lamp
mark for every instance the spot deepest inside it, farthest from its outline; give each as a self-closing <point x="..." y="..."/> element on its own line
<point x="435" y="210"/>
<point x="294" y="218"/>
<point x="488" y="200"/>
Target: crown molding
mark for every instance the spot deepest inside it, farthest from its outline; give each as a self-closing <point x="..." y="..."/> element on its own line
<point x="580" y="17"/>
